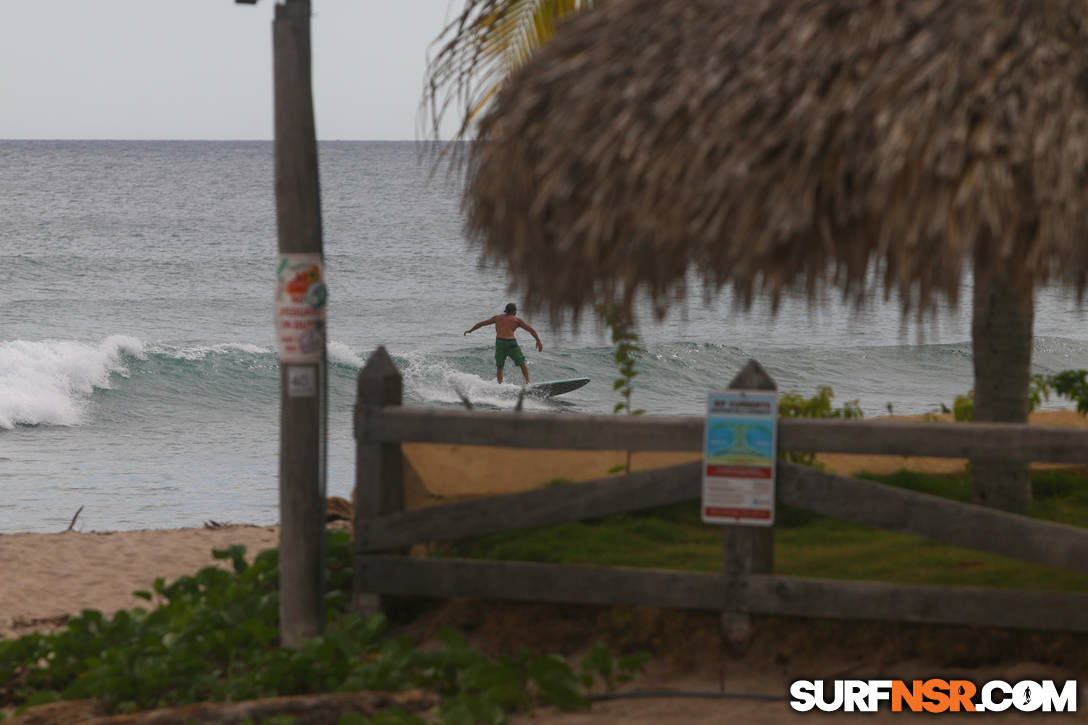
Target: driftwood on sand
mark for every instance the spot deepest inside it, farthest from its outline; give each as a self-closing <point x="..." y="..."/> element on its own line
<point x="73" y="522"/>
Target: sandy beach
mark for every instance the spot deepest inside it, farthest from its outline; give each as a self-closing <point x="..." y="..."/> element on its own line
<point x="48" y="576"/>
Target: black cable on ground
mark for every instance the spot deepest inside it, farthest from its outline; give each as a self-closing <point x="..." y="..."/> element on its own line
<point x="705" y="694"/>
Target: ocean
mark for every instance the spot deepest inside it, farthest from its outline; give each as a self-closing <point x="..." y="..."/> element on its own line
<point x="138" y="377"/>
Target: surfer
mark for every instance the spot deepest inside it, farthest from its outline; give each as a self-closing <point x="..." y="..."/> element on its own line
<point x="506" y="346"/>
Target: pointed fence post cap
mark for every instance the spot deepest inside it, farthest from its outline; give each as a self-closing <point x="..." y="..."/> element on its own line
<point x="379" y="380"/>
<point x="753" y="377"/>
<point x="379" y="364"/>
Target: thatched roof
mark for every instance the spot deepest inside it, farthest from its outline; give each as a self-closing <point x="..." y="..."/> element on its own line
<point x="773" y="144"/>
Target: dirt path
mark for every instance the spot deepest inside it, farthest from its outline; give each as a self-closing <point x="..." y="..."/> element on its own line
<point x="691" y="710"/>
<point x="687" y="656"/>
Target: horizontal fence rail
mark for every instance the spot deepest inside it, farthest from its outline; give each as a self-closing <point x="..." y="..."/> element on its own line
<point x="766" y="594"/>
<point x="830" y="494"/>
<point x="977" y="441"/>
<point x="933" y="517"/>
<point x="542" y="507"/>
<point x="536" y="430"/>
<point x="533" y="582"/>
<point x="975" y="606"/>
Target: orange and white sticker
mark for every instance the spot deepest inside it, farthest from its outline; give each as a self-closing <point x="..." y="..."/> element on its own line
<point x="300" y="308"/>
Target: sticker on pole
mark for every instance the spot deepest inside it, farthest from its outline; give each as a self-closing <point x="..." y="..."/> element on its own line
<point x="738" y="458"/>
<point x="300" y="308"/>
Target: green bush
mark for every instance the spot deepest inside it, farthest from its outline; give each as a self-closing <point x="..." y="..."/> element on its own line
<point x="1072" y="384"/>
<point x="963" y="407"/>
<point x="1069" y="384"/>
<point x="214" y="636"/>
<point x="795" y="405"/>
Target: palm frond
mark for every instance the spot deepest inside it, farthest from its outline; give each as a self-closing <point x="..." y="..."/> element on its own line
<point x="479" y="50"/>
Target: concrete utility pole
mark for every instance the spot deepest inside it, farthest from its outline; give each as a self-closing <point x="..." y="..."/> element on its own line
<point x="300" y="330"/>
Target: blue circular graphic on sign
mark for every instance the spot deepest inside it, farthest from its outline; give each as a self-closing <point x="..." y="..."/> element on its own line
<point x="316" y="294"/>
<point x="758" y="438"/>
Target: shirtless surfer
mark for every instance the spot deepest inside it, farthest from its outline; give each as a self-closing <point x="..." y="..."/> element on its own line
<point x="506" y="325"/>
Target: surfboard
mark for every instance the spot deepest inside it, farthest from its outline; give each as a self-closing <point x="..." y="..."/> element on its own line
<point x="555" y="387"/>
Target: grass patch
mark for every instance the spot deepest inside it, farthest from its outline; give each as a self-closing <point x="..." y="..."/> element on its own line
<point x="806" y="544"/>
<point x="672" y="537"/>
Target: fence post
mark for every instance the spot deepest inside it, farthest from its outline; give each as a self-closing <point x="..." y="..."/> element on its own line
<point x="379" y="482"/>
<point x="746" y="549"/>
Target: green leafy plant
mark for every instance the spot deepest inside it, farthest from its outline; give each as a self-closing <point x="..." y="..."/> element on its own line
<point x="1039" y="389"/>
<point x="795" y="405"/>
<point x="963" y="407"/>
<point x="1069" y="384"/>
<point x="625" y="355"/>
<point x="600" y="663"/>
<point x="1072" y="384"/>
<point x="214" y="636"/>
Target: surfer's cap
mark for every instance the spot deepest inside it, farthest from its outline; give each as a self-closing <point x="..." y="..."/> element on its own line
<point x="511" y="309"/>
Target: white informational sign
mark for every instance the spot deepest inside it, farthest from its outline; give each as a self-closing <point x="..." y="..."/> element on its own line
<point x="301" y="381"/>
<point x="300" y="308"/>
<point x="738" y="459"/>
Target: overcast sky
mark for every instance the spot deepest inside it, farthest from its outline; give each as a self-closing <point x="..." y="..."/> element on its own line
<point x="202" y="69"/>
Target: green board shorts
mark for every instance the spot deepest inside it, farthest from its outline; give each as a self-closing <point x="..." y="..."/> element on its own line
<point x="507" y="348"/>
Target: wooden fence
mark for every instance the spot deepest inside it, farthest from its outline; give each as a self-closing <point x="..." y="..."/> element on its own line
<point x="746" y="585"/>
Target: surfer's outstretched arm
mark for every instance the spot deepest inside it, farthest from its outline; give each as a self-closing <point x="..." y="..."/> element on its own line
<point x="539" y="344"/>
<point x="478" y="325"/>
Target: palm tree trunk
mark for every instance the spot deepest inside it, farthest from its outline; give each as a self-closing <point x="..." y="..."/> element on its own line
<point x="1001" y="335"/>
